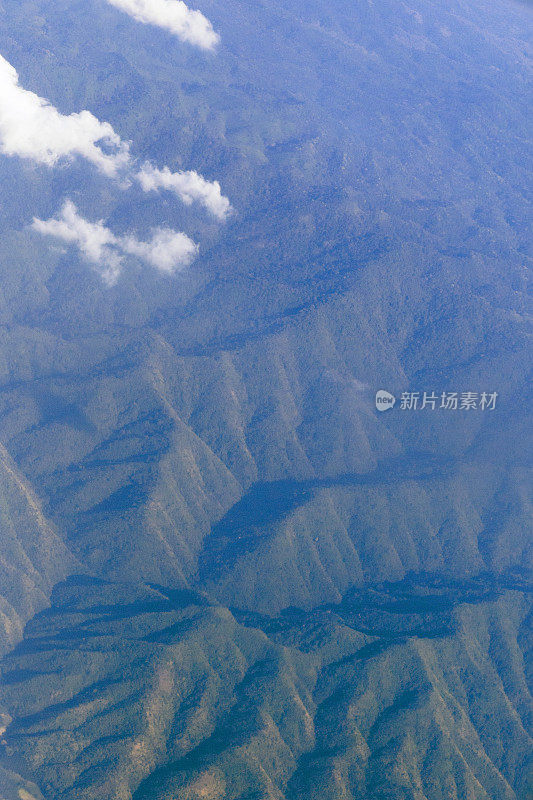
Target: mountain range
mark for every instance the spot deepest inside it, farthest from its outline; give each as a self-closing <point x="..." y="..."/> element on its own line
<point x="224" y="574"/>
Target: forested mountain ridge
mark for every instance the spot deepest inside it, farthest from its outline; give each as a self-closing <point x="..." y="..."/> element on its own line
<point x="223" y="573"/>
<point x="393" y="693"/>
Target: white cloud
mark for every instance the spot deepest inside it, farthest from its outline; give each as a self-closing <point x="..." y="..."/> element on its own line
<point x="189" y="186"/>
<point x="167" y="251"/>
<point x="30" y="127"/>
<point x="95" y="241"/>
<point x="174" y="16"/>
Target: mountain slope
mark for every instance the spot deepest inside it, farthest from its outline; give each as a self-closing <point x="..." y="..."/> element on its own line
<point x="261" y="586"/>
<point x="32" y="556"/>
<point x="415" y="689"/>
